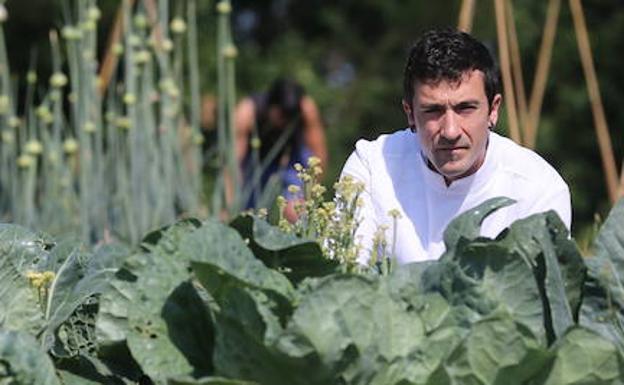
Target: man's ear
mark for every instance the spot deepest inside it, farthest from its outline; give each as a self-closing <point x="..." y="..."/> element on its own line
<point x="409" y="113"/>
<point x="494" y="109"/>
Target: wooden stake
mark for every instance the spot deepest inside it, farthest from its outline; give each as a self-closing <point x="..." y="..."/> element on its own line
<point x="600" y="122"/>
<point x="111" y="59"/>
<point x="516" y="67"/>
<point x="503" y="49"/>
<point x="542" y="71"/>
<point x="466" y="15"/>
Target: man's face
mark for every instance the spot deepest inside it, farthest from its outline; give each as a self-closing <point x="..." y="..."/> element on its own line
<point x="452" y="121"/>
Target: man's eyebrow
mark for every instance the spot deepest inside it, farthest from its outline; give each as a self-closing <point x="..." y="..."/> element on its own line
<point x="425" y="106"/>
<point x="468" y="103"/>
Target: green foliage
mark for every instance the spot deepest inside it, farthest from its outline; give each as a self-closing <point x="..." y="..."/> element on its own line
<point x="194" y="305"/>
<point x="23" y="362"/>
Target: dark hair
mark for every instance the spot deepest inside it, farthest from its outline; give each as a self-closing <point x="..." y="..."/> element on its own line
<point x="446" y="54"/>
<point x="287" y="95"/>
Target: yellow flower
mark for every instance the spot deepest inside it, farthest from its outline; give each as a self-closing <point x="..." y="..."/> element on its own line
<point x="395" y="213"/>
<point x="314" y="161"/>
<point x="318" y="190"/>
<point x="293" y="189"/>
<point x="40" y="280"/>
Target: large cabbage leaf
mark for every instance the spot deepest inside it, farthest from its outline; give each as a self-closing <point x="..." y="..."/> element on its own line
<point x="20" y="303"/>
<point x="497" y="351"/>
<point x="525" y="271"/>
<point x="78" y="280"/>
<point x="221" y="260"/>
<point x="603" y="302"/>
<point x="297" y="258"/>
<point x="157" y="312"/>
<point x="23" y="362"/>
<point x="583" y="357"/>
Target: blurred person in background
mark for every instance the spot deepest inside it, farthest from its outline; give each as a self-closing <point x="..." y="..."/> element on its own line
<point x="275" y="130"/>
<point x="449" y="159"/>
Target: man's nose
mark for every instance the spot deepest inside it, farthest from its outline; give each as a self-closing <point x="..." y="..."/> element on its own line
<point x="450" y="126"/>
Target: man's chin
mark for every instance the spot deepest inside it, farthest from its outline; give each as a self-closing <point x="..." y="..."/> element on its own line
<point x="452" y="170"/>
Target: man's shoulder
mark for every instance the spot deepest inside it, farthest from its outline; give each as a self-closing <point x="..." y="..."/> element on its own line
<point x="524" y="163"/>
<point x="391" y="144"/>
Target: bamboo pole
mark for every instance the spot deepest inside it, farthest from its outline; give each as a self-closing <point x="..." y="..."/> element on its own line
<point x="466" y="15"/>
<point x="600" y="122"/>
<point x="542" y="71"/>
<point x="516" y="67"/>
<point x="503" y="49"/>
<point x="111" y="59"/>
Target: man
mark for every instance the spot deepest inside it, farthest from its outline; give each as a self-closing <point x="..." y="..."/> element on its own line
<point x="449" y="160"/>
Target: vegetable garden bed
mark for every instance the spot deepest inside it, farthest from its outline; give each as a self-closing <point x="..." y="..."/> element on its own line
<point x="208" y="303"/>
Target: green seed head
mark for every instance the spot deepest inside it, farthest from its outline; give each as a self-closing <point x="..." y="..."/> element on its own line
<point x="25" y="161"/>
<point x="70" y="146"/>
<point x="129" y="99"/>
<point x="178" y="26"/>
<point x="140" y="21"/>
<point x="167" y="45"/>
<point x="8" y="137"/>
<point x="89" y="26"/>
<point x="58" y="80"/>
<point x="118" y="49"/>
<point x="5" y="104"/>
<point x="142" y="57"/>
<point x="224" y="7"/>
<point x="123" y="123"/>
<point x="14" y="122"/>
<point x="230" y="51"/>
<point x="31" y="77"/>
<point x="94" y="13"/>
<point x="71" y="33"/>
<point x="89" y="127"/>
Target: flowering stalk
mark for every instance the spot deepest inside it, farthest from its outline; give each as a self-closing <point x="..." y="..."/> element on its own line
<point x="330" y="223"/>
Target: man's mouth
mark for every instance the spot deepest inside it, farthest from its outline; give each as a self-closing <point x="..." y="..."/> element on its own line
<point x="454" y="148"/>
